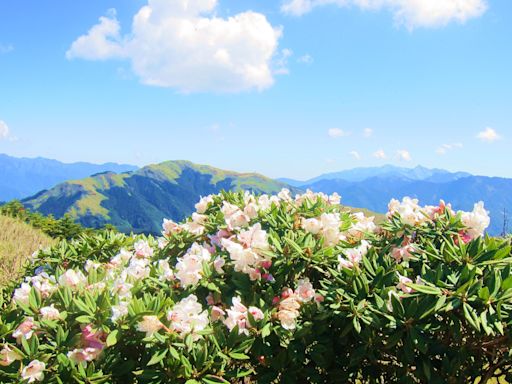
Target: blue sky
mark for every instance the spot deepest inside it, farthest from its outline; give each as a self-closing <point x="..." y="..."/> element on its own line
<point x="289" y="88"/>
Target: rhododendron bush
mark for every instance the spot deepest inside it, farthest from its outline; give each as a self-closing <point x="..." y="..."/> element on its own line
<point x="268" y="289"/>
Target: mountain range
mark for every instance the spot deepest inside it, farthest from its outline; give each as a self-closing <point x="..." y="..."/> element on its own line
<point x="138" y="201"/>
<point x="22" y="177"/>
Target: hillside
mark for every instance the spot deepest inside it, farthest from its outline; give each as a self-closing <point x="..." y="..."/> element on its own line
<point x="138" y="201"/>
<point x="22" y="177"/>
<point x="17" y="243"/>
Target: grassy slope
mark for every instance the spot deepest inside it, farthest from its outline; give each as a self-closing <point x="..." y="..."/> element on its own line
<point x="17" y="243"/>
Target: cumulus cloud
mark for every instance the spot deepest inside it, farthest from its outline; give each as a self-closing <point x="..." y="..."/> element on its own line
<point x="380" y="154"/>
<point x="489" y="135"/>
<point x="4" y="130"/>
<point x="336" y="132"/>
<point x="410" y="13"/>
<point x="403" y="155"/>
<point x="367" y="132"/>
<point x="183" y="44"/>
<point x="443" y="149"/>
<point x="355" y="155"/>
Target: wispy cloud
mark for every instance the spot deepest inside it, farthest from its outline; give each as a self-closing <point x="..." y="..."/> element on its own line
<point x="443" y="149"/>
<point x="355" y="155"/>
<point x="410" y="13"/>
<point x="4" y="130"/>
<point x="380" y="154"/>
<point x="281" y="62"/>
<point x="337" y="132"/>
<point x="367" y="132"/>
<point x="403" y="155"/>
<point x="305" y="59"/>
<point x="6" y="48"/>
<point x="488" y="134"/>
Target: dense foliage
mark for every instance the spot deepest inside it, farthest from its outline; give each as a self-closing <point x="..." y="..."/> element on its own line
<point x="63" y="228"/>
<point x="269" y="290"/>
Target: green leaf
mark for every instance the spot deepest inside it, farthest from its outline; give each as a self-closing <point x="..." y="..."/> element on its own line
<point x="157" y="357"/>
<point x="238" y="356"/>
<point x="112" y="338"/>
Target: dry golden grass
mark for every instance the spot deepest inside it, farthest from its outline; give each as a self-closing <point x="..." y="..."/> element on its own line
<point x="17" y="243"/>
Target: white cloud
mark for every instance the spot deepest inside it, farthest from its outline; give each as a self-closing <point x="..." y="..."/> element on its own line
<point x="183" y="44"/>
<point x="403" y="155"/>
<point x="6" y="48"/>
<point x="367" y="132"/>
<point x="488" y="134"/>
<point x="443" y="149"/>
<point x="380" y="154"/>
<point x="410" y="13"/>
<point x="336" y="132"/>
<point x="355" y="155"/>
<point x="305" y="59"/>
<point x="281" y="62"/>
<point x="4" y="130"/>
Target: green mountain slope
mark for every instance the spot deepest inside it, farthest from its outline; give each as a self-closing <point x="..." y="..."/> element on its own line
<point x="140" y="200"/>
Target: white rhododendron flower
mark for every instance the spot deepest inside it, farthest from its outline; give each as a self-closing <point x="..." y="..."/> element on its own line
<point x="149" y="325"/>
<point x="284" y="195"/>
<point x="237" y="315"/>
<point x="402" y="284"/>
<point x="313" y="226"/>
<point x="289" y="311"/>
<point x="202" y="205"/>
<point x="25" y="330"/>
<point x="119" y="311"/>
<point x="8" y="356"/>
<point x="72" y="279"/>
<point x="353" y="256"/>
<point x="189" y="268"/>
<point x="44" y="284"/>
<point x="21" y="294"/>
<point x="138" y="269"/>
<point x="50" y="313"/>
<point x="82" y="355"/>
<point x="188" y="317"/>
<point x="476" y="221"/>
<point x="34" y="371"/>
<point x="121" y="258"/>
<point x="166" y="273"/>
<point x="254" y="238"/>
<point x="402" y="253"/>
<point x="363" y="225"/>
<point x="408" y="210"/>
<point x="90" y="264"/>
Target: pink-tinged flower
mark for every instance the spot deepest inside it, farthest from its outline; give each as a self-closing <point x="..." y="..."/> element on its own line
<point x="170" y="227"/>
<point x="304" y="291"/>
<point x="402" y="253"/>
<point x="334" y="199"/>
<point x="287" y="292"/>
<point x="81" y="355"/>
<point x="188" y="317"/>
<point x="319" y="298"/>
<point x="402" y="284"/>
<point x="72" y="279"/>
<point x="217" y="238"/>
<point x="143" y="249"/>
<point x="25" y="330"/>
<point x="34" y="371"/>
<point x="276" y="300"/>
<point x="217" y="313"/>
<point x="203" y="203"/>
<point x="162" y="242"/>
<point x="149" y="325"/>
<point x="189" y="269"/>
<point x="254" y="274"/>
<point x="251" y="210"/>
<point x="8" y="356"/>
<point x="165" y="271"/>
<point x="353" y="255"/>
<point x="268" y="277"/>
<point x="288" y="312"/>
<point x="218" y="263"/>
<point x="50" y="313"/>
<point x="266" y="264"/>
<point x="256" y="313"/>
<point x="93" y="339"/>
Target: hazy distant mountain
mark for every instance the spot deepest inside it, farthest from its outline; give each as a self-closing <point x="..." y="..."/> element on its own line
<point x="374" y="193"/>
<point x="384" y="172"/>
<point x="139" y="201"/>
<point x="22" y="177"/>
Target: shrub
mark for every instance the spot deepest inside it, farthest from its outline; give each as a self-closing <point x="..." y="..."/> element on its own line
<point x="269" y="290"/>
